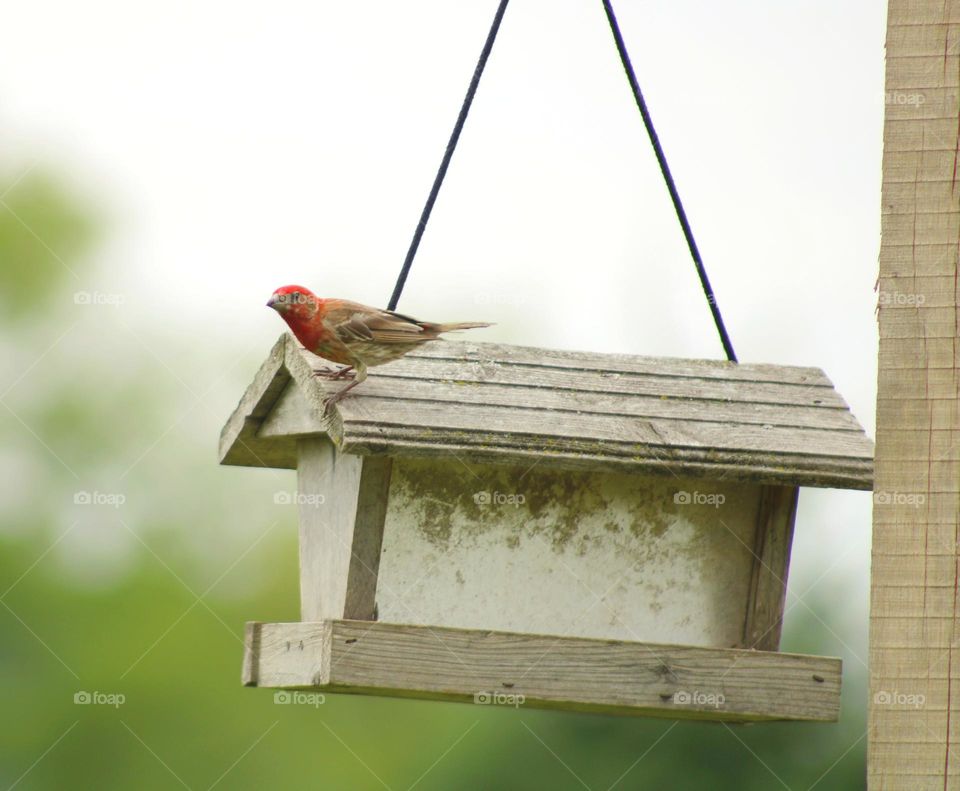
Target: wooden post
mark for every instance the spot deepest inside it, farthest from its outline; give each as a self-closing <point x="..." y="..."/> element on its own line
<point x="914" y="722"/>
<point x="342" y="503"/>
<point x="768" y="580"/>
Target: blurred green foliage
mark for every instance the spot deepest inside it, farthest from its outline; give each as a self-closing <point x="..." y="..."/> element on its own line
<point x="44" y="233"/>
<point x="148" y="599"/>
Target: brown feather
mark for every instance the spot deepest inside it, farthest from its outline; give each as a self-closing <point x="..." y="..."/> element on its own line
<point x="352" y="322"/>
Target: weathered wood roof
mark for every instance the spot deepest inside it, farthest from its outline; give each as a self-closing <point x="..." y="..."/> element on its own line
<point x="493" y="403"/>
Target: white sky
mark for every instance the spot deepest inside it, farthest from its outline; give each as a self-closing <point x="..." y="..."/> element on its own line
<point x="239" y="146"/>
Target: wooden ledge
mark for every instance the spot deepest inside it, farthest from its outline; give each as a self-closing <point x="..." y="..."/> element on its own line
<point x="542" y="671"/>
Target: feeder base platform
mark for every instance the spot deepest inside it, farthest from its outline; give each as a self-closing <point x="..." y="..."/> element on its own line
<point x="542" y="671"/>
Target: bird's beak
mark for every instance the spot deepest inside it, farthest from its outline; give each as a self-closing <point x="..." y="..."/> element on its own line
<point x="272" y="302"/>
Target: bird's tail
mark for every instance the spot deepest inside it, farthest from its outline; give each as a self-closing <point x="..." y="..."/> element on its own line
<point x="463" y="325"/>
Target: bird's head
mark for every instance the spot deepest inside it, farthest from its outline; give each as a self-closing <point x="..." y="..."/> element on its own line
<point x="293" y="303"/>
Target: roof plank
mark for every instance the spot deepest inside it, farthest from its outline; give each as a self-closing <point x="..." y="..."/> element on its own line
<point x="494" y="403"/>
<point x="639" y="406"/>
<point x="622" y="363"/>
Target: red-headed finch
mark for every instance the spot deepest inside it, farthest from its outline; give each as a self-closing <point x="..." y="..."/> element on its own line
<point x="354" y="335"/>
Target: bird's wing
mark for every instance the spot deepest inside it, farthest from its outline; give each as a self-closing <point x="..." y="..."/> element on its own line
<point x="352" y="322"/>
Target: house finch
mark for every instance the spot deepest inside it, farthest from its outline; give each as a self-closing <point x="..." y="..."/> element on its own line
<point x="354" y="335"/>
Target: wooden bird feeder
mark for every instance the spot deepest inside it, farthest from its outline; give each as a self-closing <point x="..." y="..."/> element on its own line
<point x="593" y="532"/>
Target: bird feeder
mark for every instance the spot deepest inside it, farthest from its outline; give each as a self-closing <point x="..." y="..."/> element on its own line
<point x="598" y="532"/>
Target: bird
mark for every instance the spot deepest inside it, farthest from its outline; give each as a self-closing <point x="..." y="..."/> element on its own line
<point x="354" y="335"/>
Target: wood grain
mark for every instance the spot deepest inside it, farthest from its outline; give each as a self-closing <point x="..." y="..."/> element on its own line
<point x="619" y="363"/>
<point x="239" y="443"/>
<point x="768" y="581"/>
<point x="543" y="671"/>
<point x="914" y="705"/>
<point x="342" y="504"/>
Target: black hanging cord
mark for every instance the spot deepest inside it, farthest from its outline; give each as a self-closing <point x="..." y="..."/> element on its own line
<point x="654" y="140"/>
<point x="668" y="178"/>
<point x="447" y="155"/>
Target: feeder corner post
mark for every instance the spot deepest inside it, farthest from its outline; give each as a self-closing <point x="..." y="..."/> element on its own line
<point x="914" y="713"/>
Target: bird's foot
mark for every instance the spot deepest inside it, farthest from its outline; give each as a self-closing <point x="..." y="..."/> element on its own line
<point x="333" y="398"/>
<point x="329" y="402"/>
<point x="346" y="372"/>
